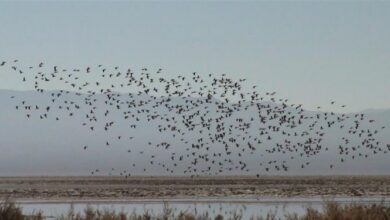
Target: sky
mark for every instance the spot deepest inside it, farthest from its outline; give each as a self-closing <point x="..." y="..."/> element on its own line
<point x="309" y="52"/>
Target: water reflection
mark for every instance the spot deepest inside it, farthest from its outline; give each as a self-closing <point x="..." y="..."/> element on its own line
<point x="247" y="208"/>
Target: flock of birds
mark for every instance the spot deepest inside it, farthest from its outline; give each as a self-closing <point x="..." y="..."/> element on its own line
<point x="218" y="121"/>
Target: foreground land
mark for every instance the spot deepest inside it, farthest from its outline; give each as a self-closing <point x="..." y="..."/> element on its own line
<point x="95" y="188"/>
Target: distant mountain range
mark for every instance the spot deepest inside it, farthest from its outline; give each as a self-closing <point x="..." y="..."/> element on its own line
<point x="34" y="146"/>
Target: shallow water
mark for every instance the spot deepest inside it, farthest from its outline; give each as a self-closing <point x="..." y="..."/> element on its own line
<point x="225" y="206"/>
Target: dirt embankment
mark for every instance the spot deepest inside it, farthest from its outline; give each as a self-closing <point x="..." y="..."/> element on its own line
<point x="80" y="188"/>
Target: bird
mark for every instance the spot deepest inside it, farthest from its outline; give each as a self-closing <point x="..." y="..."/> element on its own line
<point x="214" y="125"/>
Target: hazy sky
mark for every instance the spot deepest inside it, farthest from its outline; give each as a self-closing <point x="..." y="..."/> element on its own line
<point x="311" y="53"/>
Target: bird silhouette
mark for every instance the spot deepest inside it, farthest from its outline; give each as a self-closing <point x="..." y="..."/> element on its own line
<point x="215" y="124"/>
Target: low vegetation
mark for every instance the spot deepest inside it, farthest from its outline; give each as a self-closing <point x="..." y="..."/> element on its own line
<point x="10" y="211"/>
<point x="331" y="211"/>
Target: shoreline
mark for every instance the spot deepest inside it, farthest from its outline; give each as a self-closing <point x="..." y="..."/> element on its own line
<point x="269" y="200"/>
<point x="171" y="188"/>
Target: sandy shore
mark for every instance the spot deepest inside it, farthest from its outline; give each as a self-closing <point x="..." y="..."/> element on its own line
<point x="144" y="188"/>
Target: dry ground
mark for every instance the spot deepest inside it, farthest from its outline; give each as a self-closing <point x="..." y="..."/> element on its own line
<point x="95" y="188"/>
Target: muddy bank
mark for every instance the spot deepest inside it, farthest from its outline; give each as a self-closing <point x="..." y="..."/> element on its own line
<point x="80" y="188"/>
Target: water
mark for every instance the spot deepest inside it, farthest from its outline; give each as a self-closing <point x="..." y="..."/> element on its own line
<point x="224" y="206"/>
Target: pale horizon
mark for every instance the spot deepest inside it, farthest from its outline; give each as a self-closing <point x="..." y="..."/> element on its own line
<point x="309" y="52"/>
